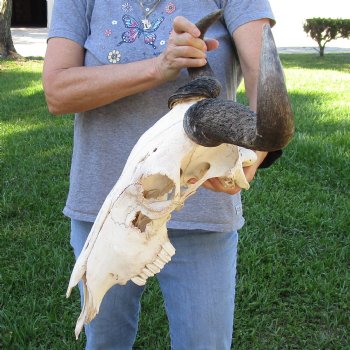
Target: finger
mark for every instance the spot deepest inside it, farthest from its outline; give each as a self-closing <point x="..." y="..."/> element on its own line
<point x="250" y="172"/>
<point x="185" y="39"/>
<point x="188" y="52"/>
<point x="211" y="44"/>
<point x="233" y="190"/>
<point x="214" y="184"/>
<point x="192" y="181"/>
<point x="207" y="184"/>
<point x="183" y="25"/>
<point x="183" y="62"/>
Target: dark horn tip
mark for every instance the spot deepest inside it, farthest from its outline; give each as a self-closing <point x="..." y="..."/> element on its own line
<point x="203" y="26"/>
<point x="207" y="21"/>
<point x="275" y="118"/>
<point x="273" y="143"/>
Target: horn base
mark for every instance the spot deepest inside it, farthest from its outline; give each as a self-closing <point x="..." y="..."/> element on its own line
<point x="206" y="87"/>
<point x="211" y="122"/>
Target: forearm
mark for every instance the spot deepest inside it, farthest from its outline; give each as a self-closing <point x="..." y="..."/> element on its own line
<point x="78" y="89"/>
<point x="71" y="87"/>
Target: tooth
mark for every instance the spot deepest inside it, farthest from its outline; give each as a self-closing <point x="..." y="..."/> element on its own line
<point x="148" y="272"/>
<point x="139" y="281"/>
<point x="163" y="255"/>
<point x="143" y="276"/>
<point x="153" y="268"/>
<point x="169" y="248"/>
<point x="159" y="263"/>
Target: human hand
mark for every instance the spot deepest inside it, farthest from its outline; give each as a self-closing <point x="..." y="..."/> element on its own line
<point x="214" y="184"/>
<point x="184" y="49"/>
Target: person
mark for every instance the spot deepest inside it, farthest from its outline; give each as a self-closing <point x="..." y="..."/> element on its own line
<point x="114" y="63"/>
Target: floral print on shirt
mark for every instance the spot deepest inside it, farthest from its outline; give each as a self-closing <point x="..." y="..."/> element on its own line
<point x="133" y="28"/>
<point x="136" y="28"/>
<point x="114" y="56"/>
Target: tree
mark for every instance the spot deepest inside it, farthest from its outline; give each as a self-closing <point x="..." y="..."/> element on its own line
<point x="323" y="30"/>
<point x="6" y="44"/>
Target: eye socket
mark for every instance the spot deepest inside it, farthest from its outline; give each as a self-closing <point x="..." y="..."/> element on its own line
<point x="157" y="186"/>
<point x="196" y="171"/>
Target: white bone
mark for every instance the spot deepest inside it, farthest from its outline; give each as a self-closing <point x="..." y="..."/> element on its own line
<point x="147" y="272"/>
<point x="129" y="240"/>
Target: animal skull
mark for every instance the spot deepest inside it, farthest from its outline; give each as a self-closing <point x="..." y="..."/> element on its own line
<point x="129" y="240"/>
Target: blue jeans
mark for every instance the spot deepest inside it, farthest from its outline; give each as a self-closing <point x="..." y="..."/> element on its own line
<point x="198" y="287"/>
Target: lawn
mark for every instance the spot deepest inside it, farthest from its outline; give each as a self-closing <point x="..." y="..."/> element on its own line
<point x="293" y="283"/>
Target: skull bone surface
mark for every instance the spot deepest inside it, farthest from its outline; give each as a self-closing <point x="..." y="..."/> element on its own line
<point x="129" y="240"/>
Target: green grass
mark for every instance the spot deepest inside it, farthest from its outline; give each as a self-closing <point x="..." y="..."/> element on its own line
<point x="293" y="283"/>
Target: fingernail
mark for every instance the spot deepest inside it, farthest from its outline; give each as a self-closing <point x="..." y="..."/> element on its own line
<point x="196" y="32"/>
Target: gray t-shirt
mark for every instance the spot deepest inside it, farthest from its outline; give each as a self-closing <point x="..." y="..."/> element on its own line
<point x="112" y="32"/>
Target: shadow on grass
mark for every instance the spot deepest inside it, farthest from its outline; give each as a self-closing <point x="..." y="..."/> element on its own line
<point x="339" y="61"/>
<point x="21" y="95"/>
<point x="13" y="80"/>
<point x="34" y="58"/>
<point x="35" y="170"/>
<point x="35" y="250"/>
<point x="14" y="75"/>
<point x="20" y="106"/>
<point x="21" y="59"/>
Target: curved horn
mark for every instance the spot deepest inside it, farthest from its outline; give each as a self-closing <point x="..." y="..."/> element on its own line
<point x="203" y="82"/>
<point x="211" y="122"/>
<point x="203" y="26"/>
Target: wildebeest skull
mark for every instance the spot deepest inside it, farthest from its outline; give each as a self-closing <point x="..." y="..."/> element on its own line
<point x="201" y="137"/>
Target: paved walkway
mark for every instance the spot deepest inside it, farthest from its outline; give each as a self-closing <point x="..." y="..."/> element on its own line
<point x="31" y="42"/>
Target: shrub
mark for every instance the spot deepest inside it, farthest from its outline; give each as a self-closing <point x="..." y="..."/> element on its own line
<point x="323" y="30"/>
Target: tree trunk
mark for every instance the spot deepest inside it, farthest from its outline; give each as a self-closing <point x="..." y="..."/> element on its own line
<point x="321" y="51"/>
<point x="6" y="44"/>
